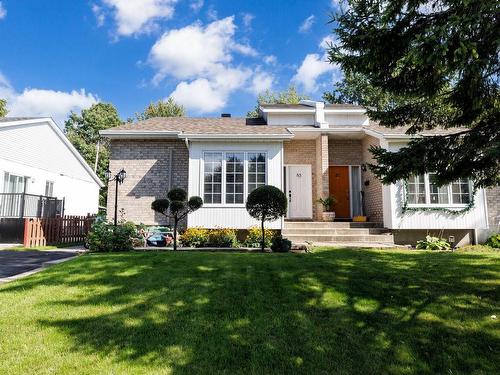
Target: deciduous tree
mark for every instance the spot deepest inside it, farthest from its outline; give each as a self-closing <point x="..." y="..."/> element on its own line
<point x="3" y="108"/>
<point x="83" y="132"/>
<point x="288" y="96"/>
<point x="168" y="108"/>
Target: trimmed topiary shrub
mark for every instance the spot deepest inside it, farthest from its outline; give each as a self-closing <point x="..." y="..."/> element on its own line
<point x="177" y="207"/>
<point x="194" y="237"/>
<point x="281" y="245"/>
<point x="254" y="237"/>
<point x="266" y="203"/>
<point x="223" y="237"/>
<point x="494" y="241"/>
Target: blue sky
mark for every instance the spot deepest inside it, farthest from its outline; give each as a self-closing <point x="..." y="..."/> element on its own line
<point x="211" y="56"/>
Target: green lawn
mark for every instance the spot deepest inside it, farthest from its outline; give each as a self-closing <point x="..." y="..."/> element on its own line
<point x="335" y="311"/>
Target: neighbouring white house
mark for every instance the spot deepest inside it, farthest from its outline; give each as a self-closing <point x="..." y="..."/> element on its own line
<point x="41" y="173"/>
<point x="309" y="150"/>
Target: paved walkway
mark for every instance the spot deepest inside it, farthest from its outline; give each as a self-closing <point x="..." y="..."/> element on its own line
<point x="17" y="264"/>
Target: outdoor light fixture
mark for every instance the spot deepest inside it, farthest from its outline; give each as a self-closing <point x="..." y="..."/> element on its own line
<point x="118" y="178"/>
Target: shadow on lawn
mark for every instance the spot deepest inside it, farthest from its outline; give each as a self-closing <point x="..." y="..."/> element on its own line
<point x="341" y="311"/>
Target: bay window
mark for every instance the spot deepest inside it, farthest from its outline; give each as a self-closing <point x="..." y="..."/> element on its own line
<point x="423" y="190"/>
<point x="228" y="177"/>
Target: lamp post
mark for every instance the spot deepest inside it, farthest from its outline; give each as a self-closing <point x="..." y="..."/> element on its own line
<point x="118" y="178"/>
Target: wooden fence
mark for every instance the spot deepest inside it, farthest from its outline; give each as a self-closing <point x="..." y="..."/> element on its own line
<point x="57" y="230"/>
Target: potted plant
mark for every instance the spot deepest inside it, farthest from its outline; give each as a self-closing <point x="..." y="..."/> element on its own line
<point x="328" y="203"/>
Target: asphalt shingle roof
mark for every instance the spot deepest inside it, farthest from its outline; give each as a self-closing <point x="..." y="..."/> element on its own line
<point x="217" y="125"/>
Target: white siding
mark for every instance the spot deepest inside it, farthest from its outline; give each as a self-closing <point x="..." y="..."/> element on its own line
<point x="347" y="119"/>
<point x="231" y="216"/>
<point x="476" y="218"/>
<point x="290" y="119"/>
<point x="37" y="151"/>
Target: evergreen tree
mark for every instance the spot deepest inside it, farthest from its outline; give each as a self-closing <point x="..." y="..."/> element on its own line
<point x="425" y="65"/>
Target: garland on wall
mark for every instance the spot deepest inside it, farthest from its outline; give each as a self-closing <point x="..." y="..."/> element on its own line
<point x="406" y="208"/>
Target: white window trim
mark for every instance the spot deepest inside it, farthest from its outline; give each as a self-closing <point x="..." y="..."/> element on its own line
<point x="427" y="188"/>
<point x="223" y="181"/>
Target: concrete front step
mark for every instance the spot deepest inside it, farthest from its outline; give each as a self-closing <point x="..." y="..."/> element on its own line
<point x="331" y="224"/>
<point x="332" y="231"/>
<point x="327" y="238"/>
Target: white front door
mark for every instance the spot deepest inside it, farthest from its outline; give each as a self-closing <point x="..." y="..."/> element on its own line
<point x="299" y="191"/>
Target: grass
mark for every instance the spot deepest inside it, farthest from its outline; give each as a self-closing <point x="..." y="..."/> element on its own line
<point x="335" y="311"/>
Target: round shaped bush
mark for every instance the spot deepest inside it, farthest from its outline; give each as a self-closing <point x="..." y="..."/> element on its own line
<point x="266" y="203"/>
<point x="160" y="205"/>
<point x="194" y="203"/>
<point x="177" y="194"/>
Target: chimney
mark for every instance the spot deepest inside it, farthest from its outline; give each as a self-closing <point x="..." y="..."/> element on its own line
<point x="225" y="115"/>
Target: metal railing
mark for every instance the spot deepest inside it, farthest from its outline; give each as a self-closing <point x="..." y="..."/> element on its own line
<point x="20" y="205"/>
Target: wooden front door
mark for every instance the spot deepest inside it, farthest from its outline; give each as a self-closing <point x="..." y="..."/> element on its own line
<point x="339" y="188"/>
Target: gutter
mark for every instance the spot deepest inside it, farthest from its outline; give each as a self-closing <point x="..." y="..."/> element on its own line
<point x="134" y="134"/>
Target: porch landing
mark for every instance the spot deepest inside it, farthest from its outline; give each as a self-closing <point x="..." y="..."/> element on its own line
<point x="337" y="233"/>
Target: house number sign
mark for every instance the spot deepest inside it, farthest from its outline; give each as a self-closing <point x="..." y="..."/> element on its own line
<point x="299" y="175"/>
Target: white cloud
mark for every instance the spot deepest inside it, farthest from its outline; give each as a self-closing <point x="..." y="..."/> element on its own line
<point x="199" y="96"/>
<point x="212" y="14"/>
<point x="270" y="59"/>
<point x="42" y="102"/>
<point x="307" y="24"/>
<point x="342" y="5"/>
<point x="261" y="81"/>
<point x="138" y="16"/>
<point x="202" y="57"/>
<point x="3" y="11"/>
<point x="245" y="49"/>
<point x="99" y="14"/>
<point x="247" y="19"/>
<point x="310" y="70"/>
<point x="196" y="5"/>
<point x="316" y="65"/>
<point x="194" y="49"/>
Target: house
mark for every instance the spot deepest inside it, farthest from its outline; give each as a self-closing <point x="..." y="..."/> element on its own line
<point x="41" y="174"/>
<point x="309" y="150"/>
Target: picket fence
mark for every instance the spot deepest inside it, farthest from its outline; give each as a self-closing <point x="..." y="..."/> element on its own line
<point x="57" y="230"/>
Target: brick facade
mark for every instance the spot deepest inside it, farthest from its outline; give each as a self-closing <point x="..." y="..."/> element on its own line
<point x="153" y="167"/>
<point x="493" y="202"/>
<point x="345" y="152"/>
<point x="373" y="191"/>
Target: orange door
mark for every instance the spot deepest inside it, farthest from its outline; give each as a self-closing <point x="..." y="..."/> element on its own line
<point x="339" y="188"/>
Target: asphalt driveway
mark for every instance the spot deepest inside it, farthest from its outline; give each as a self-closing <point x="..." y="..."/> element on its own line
<point x="16" y="262"/>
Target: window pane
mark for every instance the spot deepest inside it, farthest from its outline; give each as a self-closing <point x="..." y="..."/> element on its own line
<point x="460" y="191"/>
<point x="234" y="176"/>
<point x="416" y="190"/>
<point x="212" y="167"/>
<point x="438" y="195"/>
<point x="256" y="170"/>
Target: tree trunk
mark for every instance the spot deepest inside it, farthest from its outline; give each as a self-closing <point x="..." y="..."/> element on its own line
<point x="175" y="232"/>
<point x="263" y="235"/>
